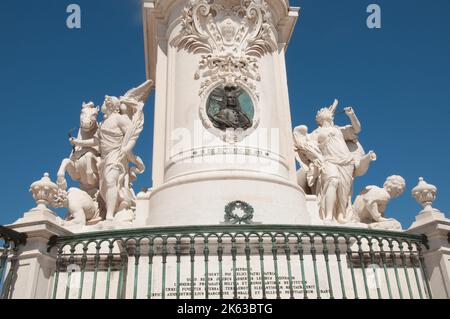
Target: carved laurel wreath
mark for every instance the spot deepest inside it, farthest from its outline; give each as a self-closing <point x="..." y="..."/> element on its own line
<point x="232" y="218"/>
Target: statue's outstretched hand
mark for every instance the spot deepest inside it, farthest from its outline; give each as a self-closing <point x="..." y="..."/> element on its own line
<point x="349" y="111"/>
<point x="73" y="141"/>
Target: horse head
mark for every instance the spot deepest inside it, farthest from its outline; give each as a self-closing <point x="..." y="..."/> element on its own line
<point x="88" y="117"/>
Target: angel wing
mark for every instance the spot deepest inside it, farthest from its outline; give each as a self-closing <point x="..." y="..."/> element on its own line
<point x="135" y="98"/>
<point x="139" y="94"/>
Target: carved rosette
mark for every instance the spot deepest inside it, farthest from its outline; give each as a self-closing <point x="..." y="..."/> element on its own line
<point x="231" y="35"/>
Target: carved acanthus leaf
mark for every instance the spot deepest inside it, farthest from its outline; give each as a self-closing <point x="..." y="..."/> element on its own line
<point x="232" y="35"/>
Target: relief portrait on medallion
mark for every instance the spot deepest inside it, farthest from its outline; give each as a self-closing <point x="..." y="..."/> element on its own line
<point x="230" y="107"/>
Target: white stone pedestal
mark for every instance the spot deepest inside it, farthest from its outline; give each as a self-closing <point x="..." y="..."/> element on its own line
<point x="436" y="227"/>
<point x="36" y="265"/>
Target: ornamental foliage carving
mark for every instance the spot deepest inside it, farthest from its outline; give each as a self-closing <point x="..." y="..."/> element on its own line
<point x="231" y="36"/>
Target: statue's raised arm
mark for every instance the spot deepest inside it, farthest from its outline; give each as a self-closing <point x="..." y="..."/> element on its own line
<point x="342" y="159"/>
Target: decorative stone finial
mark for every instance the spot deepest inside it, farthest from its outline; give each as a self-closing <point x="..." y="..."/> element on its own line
<point x="425" y="194"/>
<point x="44" y="191"/>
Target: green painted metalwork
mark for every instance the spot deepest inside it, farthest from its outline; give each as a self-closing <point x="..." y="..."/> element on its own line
<point x="236" y="229"/>
<point x="123" y="260"/>
<point x="287" y="251"/>
<point x="69" y="273"/>
<point x="6" y="289"/>
<point x="394" y="263"/>
<point x="96" y="263"/>
<point x="249" y="274"/>
<point x="386" y="275"/>
<point x="220" y="257"/>
<point x="137" y="256"/>
<point x="314" y="259"/>
<point x="168" y="241"/>
<point x="413" y="263"/>
<point x="58" y="267"/>
<point x="261" y="263"/>
<point x="350" y="262"/>
<point x="363" y="267"/>
<point x="424" y="272"/>
<point x="233" y="255"/>
<point x="337" y="251"/>
<point x="206" y="255"/>
<point x="372" y="261"/>
<point x="150" y="268"/>
<point x="83" y="268"/>
<point x="408" y="283"/>
<point x="178" y="254"/>
<point x="192" y="254"/>
<point x="164" y="265"/>
<point x="302" y="266"/>
<point x="4" y="260"/>
<point x="327" y="265"/>
<point x="108" y="271"/>
<point x="232" y="218"/>
<point x="275" y="266"/>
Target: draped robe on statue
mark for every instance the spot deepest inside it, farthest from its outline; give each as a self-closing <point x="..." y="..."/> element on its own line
<point x="339" y="165"/>
<point x="111" y="157"/>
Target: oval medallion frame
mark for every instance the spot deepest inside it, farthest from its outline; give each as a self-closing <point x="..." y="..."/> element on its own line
<point x="229" y="135"/>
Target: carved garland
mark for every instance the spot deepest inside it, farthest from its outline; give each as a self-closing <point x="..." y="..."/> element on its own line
<point x="232" y="35"/>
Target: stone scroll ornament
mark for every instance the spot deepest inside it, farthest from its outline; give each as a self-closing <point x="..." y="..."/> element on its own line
<point x="231" y="36"/>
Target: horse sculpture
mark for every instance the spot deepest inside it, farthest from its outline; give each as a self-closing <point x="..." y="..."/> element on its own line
<point x="82" y="166"/>
<point x="82" y="163"/>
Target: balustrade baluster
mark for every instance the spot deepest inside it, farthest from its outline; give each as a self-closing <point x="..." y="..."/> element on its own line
<point x="327" y="265"/>
<point x="249" y="274"/>
<point x="337" y="252"/>
<point x="414" y="266"/>
<point x="352" y="270"/>
<point x="261" y="263"/>
<point x="403" y="258"/>
<point x="83" y="267"/>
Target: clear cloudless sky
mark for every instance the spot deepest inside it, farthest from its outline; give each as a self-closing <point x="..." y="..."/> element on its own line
<point x="397" y="78"/>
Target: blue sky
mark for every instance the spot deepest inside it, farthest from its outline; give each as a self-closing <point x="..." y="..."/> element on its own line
<point x="397" y="78"/>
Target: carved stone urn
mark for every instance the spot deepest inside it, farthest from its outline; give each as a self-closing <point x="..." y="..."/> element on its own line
<point x="425" y="194"/>
<point x="44" y="191"/>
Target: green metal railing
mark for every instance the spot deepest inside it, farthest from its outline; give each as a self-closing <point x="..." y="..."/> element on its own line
<point x="10" y="241"/>
<point x="240" y="261"/>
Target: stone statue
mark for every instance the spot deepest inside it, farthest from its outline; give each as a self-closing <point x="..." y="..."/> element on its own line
<point x="370" y="204"/>
<point x="116" y="137"/>
<point x="82" y="163"/>
<point x="85" y="204"/>
<point x="309" y="154"/>
<point x="342" y="158"/>
<point x="82" y="209"/>
<point x="230" y="114"/>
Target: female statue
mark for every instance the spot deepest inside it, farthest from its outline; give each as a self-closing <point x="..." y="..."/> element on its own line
<point x="342" y="158"/>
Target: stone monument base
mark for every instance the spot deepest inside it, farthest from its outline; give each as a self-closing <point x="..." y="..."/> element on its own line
<point x="202" y="200"/>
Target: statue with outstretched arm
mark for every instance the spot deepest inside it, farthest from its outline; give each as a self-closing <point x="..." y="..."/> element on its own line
<point x="343" y="159"/>
<point x="116" y="137"/>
